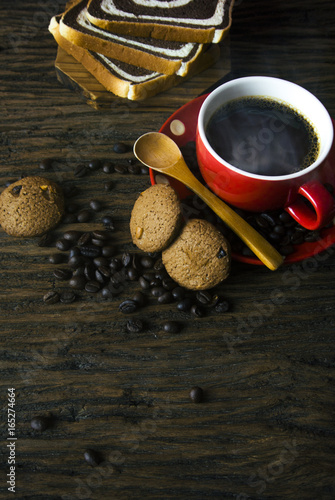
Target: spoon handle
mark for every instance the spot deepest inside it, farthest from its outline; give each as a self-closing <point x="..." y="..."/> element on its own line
<point x="259" y="245"/>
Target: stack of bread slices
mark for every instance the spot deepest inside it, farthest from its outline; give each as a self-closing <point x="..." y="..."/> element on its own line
<point x="138" y="48"/>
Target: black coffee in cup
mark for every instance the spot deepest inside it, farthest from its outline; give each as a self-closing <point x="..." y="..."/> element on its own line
<point x="263" y="136"/>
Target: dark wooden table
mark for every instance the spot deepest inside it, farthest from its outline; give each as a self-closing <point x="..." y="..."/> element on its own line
<point x="265" y="429"/>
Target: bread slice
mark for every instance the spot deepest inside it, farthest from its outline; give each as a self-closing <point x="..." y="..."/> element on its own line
<point x="156" y="55"/>
<point x="125" y="80"/>
<point x="200" y="21"/>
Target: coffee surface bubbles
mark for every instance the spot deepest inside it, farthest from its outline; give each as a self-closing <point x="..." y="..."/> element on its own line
<point x="263" y="136"/>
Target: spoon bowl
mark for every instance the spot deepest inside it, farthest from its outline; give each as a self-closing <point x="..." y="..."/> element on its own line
<point x="161" y="153"/>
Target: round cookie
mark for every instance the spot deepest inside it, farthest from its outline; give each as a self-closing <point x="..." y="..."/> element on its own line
<point x="199" y="258"/>
<point x="156" y="217"/>
<point x="31" y="206"/>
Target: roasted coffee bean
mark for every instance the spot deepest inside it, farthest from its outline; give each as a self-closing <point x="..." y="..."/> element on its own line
<point x="140" y="298"/>
<point x="279" y="229"/>
<point x="84" y="239"/>
<point x="89" y="272"/>
<point x="134" y="169"/>
<point x="80" y="171"/>
<point x="297" y="238"/>
<point x="147" y="262"/>
<point x="91" y="251"/>
<point x="115" y="264"/>
<point x="157" y="291"/>
<point x="92" y="457"/>
<point x="197" y="311"/>
<point x="149" y="276"/>
<point x="80" y="271"/>
<point x="108" y="251"/>
<point x="155" y="282"/>
<point x="76" y="261"/>
<point x="74" y="251"/>
<point x="203" y="297"/>
<point x="126" y="259"/>
<point x="185" y="304"/>
<point x="100" y="235"/>
<point x="40" y="423"/>
<point x="262" y="222"/>
<point x="84" y="215"/>
<point x="67" y="297"/>
<point x="172" y="326"/>
<point x="99" y="277"/>
<point x="285" y="218"/>
<point x="269" y="218"/>
<point x="98" y="243"/>
<point x="78" y="282"/>
<point x="134" y="325"/>
<point x="45" y="240"/>
<point x="165" y="298"/>
<point x="120" y="148"/>
<point x="108" y="167"/>
<point x="72" y="236"/>
<point x="128" y="306"/>
<point x="222" y="306"/>
<point x="158" y="264"/>
<point x="105" y="271"/>
<point x="178" y="293"/>
<point x="96" y="205"/>
<point x="132" y="274"/>
<point x="56" y="258"/>
<point x="101" y="262"/>
<point x="92" y="286"/>
<point x="107" y="293"/>
<point x="120" y="169"/>
<point x="115" y="287"/>
<point x="62" y="274"/>
<point x="94" y="165"/>
<point x="168" y="284"/>
<point x="51" y="297"/>
<point x="108" y="186"/>
<point x="196" y="394"/>
<point x="62" y="245"/>
<point x="312" y="236"/>
<point x="46" y="164"/>
<point x="274" y="237"/>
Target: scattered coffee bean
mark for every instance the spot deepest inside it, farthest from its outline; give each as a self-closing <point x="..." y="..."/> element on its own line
<point x="134" y="325"/>
<point x="76" y="261"/>
<point x="128" y="306"/>
<point x="96" y="205"/>
<point x="120" y="148"/>
<point x="67" y="297"/>
<point x="204" y="297"/>
<point x="91" y="251"/>
<point x="196" y="394"/>
<point x="84" y="215"/>
<point x="172" y="326"/>
<point x="120" y="169"/>
<point x="197" y="311"/>
<point x="165" y="298"/>
<point x="92" y="457"/>
<point x="80" y="171"/>
<point x="185" y="304"/>
<point x="72" y="236"/>
<point x="108" y="167"/>
<point x="63" y="245"/>
<point x="51" y="297"/>
<point x="92" y="286"/>
<point x="222" y="306"/>
<point x="62" y="274"/>
<point x="45" y="240"/>
<point x="46" y="164"/>
<point x="56" y="258"/>
<point x="94" y="165"/>
<point x="40" y="423"/>
<point x="134" y="169"/>
<point x="140" y="298"/>
<point x="78" y="282"/>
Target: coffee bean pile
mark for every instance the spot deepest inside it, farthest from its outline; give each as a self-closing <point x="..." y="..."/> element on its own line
<point x="93" y="265"/>
<point x="276" y="226"/>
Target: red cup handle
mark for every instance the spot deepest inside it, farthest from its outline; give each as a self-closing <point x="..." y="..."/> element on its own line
<point x="322" y="202"/>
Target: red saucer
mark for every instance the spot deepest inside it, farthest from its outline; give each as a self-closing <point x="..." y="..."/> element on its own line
<point x="181" y="127"/>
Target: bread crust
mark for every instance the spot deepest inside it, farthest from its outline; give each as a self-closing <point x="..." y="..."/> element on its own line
<point x="126" y="53"/>
<point x="122" y="87"/>
<point x="160" y="30"/>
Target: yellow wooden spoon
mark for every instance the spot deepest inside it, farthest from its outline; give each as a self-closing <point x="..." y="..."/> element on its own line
<point x="159" y="152"/>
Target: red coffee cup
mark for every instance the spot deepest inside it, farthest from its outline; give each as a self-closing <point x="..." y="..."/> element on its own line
<point x="254" y="192"/>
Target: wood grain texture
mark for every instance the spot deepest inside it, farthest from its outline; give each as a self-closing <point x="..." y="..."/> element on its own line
<point x="266" y="427"/>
